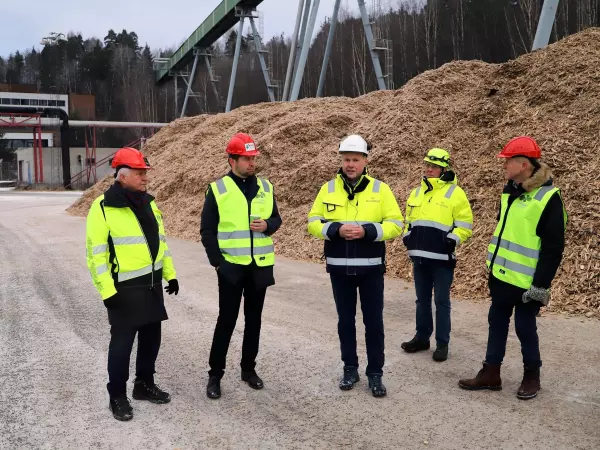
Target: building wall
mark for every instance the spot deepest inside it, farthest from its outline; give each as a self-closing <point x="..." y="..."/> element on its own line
<point x="29" y="88"/>
<point x="82" y="106"/>
<point x="52" y="165"/>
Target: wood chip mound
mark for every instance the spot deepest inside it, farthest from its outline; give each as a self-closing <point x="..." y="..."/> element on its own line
<point x="470" y="108"/>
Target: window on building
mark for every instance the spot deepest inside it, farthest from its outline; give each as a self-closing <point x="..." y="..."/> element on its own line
<point x="25" y="102"/>
<point x="5" y="101"/>
<point x="52" y="103"/>
<point x="61" y="103"/>
<point x="34" y="102"/>
<point x="43" y="102"/>
<point x="15" y="101"/>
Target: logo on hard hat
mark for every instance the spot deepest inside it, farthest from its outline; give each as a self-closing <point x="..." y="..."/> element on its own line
<point x="250" y="147"/>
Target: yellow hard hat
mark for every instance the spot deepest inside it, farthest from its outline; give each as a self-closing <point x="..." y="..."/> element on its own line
<point x="438" y="156"/>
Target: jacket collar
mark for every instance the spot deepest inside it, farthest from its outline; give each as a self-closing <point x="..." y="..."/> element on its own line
<point x="433" y="184"/>
<point x="541" y="177"/>
<point x="118" y="197"/>
<point x="360" y="185"/>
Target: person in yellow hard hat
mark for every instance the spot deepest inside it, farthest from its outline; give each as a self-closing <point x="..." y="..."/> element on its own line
<point x="128" y="256"/>
<point x="354" y="214"/>
<point x="438" y="219"/>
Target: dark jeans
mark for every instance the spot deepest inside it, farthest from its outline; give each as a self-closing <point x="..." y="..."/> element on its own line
<point x="119" y="352"/>
<point x="370" y="287"/>
<point x="437" y="278"/>
<point x="505" y="298"/>
<point x="230" y="298"/>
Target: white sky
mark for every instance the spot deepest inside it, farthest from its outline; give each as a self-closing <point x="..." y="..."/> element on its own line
<point x="158" y="23"/>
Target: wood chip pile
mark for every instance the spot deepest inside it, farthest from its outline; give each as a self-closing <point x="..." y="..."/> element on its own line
<point x="470" y="108"/>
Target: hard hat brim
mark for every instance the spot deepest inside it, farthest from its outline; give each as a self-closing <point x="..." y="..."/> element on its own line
<point x="436" y="163"/>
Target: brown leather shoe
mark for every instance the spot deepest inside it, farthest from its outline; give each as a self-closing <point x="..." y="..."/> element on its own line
<point x="530" y="386"/>
<point x="487" y="378"/>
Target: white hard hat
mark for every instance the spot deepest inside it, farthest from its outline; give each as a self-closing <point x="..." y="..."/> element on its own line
<point x="354" y="143"/>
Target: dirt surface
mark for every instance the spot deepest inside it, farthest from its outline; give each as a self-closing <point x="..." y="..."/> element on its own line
<point x="54" y="337"/>
<point x="470" y="108"/>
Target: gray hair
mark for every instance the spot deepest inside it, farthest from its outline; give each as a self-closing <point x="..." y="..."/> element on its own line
<point x="122" y="172"/>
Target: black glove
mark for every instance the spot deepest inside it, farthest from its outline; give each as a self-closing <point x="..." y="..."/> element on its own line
<point x="173" y="287"/>
<point x="405" y="240"/>
<point x="110" y="302"/>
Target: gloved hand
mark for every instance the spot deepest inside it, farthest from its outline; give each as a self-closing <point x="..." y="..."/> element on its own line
<point x="536" y="294"/>
<point x="173" y="287"/>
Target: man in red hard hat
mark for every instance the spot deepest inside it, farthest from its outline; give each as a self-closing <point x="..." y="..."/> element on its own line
<point x="238" y="219"/>
<point x="128" y="256"/>
<point x="523" y="257"/>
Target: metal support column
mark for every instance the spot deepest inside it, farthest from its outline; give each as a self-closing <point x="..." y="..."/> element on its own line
<point x="304" y="54"/>
<point x="189" y="84"/>
<point x="176" y="96"/>
<point x="236" y="59"/>
<point x="332" y="25"/>
<point x="371" y="42"/>
<point x="213" y="79"/>
<point x="544" y="29"/>
<point x="293" y="46"/>
<point x="300" y="43"/>
<point x="261" y="57"/>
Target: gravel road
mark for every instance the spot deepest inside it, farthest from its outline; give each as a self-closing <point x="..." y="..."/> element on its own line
<point x="54" y="338"/>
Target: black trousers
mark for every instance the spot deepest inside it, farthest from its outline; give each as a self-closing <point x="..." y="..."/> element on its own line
<point x="370" y="287"/>
<point x="505" y="298"/>
<point x="230" y="299"/>
<point x="119" y="352"/>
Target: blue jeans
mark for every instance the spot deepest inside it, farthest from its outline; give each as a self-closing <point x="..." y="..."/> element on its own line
<point x="437" y="278"/>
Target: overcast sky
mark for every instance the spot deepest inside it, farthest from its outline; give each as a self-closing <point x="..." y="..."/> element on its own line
<point x="158" y="23"/>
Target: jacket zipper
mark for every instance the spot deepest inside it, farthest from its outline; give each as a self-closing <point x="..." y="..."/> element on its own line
<point x="149" y="252"/>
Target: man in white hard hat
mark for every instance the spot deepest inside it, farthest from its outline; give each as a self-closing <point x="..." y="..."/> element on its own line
<point x="354" y="214"/>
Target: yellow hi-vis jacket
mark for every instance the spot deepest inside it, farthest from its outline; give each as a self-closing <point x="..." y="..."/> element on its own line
<point x="436" y="212"/>
<point x="237" y="243"/>
<point x="370" y="203"/>
<point x="117" y="250"/>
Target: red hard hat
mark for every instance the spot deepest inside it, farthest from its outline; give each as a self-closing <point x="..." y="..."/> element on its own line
<point x="521" y="146"/>
<point x="130" y="157"/>
<point x="242" y="144"/>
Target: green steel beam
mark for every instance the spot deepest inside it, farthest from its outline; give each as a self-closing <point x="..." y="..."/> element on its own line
<point x="221" y="20"/>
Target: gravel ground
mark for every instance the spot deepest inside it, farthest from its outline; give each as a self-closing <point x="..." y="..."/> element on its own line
<point x="54" y="338"/>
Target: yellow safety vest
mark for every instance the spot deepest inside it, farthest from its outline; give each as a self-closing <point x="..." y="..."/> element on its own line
<point x="119" y="227"/>
<point x="238" y="244"/>
<point x="514" y="250"/>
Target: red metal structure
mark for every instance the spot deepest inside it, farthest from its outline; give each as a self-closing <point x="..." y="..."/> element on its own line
<point x="24" y="120"/>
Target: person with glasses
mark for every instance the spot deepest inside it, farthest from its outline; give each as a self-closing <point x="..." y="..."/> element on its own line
<point x="438" y="219"/>
<point x="354" y="214"/>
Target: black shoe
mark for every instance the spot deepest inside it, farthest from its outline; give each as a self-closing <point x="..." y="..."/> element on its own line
<point x="142" y="390"/>
<point x="121" y="408"/>
<point x="253" y="380"/>
<point x="415" y="345"/>
<point x="376" y="386"/>
<point x="350" y="378"/>
<point x="213" y="389"/>
<point x="441" y="353"/>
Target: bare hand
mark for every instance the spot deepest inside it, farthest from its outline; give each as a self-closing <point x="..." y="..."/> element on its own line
<point x="258" y="225"/>
<point x="351" y="232"/>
